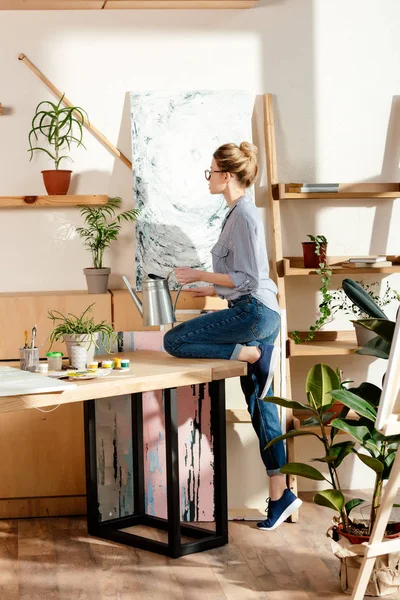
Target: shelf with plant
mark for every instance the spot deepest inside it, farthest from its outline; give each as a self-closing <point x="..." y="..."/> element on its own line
<point x="60" y="127"/>
<point x="293" y="266"/>
<point x="319" y="250"/>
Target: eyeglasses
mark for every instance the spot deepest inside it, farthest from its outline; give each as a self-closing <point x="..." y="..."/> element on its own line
<point x="209" y="172"/>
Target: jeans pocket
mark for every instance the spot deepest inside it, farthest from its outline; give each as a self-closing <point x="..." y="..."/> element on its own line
<point x="267" y="322"/>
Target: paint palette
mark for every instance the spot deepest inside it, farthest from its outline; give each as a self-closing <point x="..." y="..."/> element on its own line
<point x="85" y="375"/>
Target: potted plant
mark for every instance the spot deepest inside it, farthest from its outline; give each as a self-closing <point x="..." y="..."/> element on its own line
<point x="81" y="331"/>
<point x="314" y="251"/>
<point x="342" y="302"/>
<point x="377" y="452"/>
<point x="61" y="126"/>
<point x="102" y="226"/>
<point x="319" y="245"/>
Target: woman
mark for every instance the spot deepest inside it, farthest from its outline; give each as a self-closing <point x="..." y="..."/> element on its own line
<point x="246" y="330"/>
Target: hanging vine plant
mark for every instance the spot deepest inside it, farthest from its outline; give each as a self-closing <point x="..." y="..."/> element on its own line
<point x="325" y="273"/>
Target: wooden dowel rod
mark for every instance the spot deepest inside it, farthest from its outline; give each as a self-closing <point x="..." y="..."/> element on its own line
<point x="93" y="130"/>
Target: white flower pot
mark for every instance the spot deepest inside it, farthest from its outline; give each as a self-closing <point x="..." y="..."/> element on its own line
<point x="87" y="342"/>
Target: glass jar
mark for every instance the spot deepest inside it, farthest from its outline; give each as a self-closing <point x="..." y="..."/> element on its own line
<point x="55" y="360"/>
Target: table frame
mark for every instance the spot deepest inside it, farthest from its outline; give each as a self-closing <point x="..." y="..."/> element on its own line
<point x="203" y="539"/>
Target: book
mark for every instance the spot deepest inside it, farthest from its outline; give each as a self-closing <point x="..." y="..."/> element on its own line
<point x="368" y="259"/>
<point x="312" y="188"/>
<point x="368" y="265"/>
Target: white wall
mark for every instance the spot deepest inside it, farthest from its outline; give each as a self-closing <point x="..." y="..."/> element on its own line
<point x="333" y="66"/>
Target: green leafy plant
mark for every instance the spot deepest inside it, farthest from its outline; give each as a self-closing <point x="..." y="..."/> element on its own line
<point x="342" y="303"/>
<point x="61" y="126"/>
<point x="103" y="226"/>
<point x="324" y="388"/>
<point x="81" y="325"/>
<point x="324" y="308"/>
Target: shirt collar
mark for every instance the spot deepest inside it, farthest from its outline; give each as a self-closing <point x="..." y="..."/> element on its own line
<point x="239" y="201"/>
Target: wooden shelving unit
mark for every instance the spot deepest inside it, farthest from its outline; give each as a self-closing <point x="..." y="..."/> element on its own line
<point x="327" y="343"/>
<point x="347" y="191"/>
<point x="294" y="265"/>
<point x="52" y="201"/>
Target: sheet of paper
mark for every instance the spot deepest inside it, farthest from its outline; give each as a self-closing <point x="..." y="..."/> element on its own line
<point x="14" y="382"/>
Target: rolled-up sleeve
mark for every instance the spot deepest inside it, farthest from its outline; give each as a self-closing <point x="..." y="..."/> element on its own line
<point x="245" y="272"/>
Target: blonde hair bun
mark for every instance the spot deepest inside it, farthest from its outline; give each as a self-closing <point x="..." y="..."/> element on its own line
<point x="249" y="150"/>
<point x="239" y="160"/>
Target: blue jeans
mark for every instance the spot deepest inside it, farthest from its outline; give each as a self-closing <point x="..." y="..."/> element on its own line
<point x="247" y="322"/>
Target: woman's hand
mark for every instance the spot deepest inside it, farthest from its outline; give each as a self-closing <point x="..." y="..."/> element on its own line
<point x="208" y="290"/>
<point x="186" y="275"/>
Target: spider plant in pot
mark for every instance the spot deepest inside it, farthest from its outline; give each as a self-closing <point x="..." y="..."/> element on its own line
<point x="81" y="331"/>
<point x="60" y="126"/>
<point x="102" y="227"/>
<point x="323" y="388"/>
<point x="362" y="300"/>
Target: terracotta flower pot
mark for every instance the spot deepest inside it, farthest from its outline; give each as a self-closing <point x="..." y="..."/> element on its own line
<point x="57" y="182"/>
<point x="360" y="539"/>
<point x="311" y="259"/>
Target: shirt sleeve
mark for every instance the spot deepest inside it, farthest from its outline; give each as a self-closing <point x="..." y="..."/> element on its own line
<point x="245" y="272"/>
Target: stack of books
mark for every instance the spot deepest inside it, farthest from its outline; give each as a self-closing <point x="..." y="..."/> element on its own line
<point x="367" y="261"/>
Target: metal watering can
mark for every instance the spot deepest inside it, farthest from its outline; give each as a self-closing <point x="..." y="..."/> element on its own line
<point x="156" y="307"/>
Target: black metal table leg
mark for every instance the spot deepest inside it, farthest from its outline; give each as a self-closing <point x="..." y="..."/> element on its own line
<point x="204" y="539"/>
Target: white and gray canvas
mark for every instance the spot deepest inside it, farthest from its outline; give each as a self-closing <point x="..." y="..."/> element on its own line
<point x="174" y="135"/>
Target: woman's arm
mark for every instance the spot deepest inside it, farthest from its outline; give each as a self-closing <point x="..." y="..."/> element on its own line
<point x="187" y="275"/>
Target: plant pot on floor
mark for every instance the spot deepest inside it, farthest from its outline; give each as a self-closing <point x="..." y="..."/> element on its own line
<point x="97" y="280"/>
<point x="85" y="341"/>
<point x="311" y="259"/>
<point x="385" y="577"/>
<point x="363" y="335"/>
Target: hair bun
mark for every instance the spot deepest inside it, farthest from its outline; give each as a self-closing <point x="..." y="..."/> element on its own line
<point x="249" y="150"/>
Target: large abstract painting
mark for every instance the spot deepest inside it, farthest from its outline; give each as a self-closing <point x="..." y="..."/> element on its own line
<point x="173" y="138"/>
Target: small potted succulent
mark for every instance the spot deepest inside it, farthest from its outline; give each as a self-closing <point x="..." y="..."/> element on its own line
<point x="102" y="227"/>
<point x="61" y="126"/>
<point x="314" y="251"/>
<point x="81" y="331"/>
<point x="362" y="300"/>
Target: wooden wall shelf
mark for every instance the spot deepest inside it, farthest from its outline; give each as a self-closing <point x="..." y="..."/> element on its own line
<point x="325" y="343"/>
<point x="52" y="201"/>
<point x="347" y="191"/>
<point x="294" y="265"/>
<point x="123" y="4"/>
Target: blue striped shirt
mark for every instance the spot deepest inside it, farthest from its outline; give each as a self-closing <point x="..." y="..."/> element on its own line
<point x="242" y="254"/>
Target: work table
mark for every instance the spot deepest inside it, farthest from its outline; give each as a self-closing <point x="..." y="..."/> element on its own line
<point x="149" y="370"/>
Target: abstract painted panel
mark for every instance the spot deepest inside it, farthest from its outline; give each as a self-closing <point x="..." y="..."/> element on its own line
<point x="113" y="433"/>
<point x="174" y="135"/>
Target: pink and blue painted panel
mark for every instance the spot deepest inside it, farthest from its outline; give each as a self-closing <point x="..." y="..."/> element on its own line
<point x="114" y="462"/>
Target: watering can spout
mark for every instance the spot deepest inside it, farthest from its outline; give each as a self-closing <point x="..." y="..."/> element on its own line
<point x="135" y="297"/>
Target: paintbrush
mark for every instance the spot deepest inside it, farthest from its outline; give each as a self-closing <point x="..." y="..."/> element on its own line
<point x="26" y="338"/>
<point x="34" y="331"/>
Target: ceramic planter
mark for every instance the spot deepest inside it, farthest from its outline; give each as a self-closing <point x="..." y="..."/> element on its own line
<point x="87" y="342"/>
<point x="57" y="182"/>
<point x="97" y="280"/>
<point x="311" y="259"/>
<point x="363" y="335"/>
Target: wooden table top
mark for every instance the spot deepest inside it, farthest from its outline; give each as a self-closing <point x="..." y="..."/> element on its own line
<point x="149" y="371"/>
